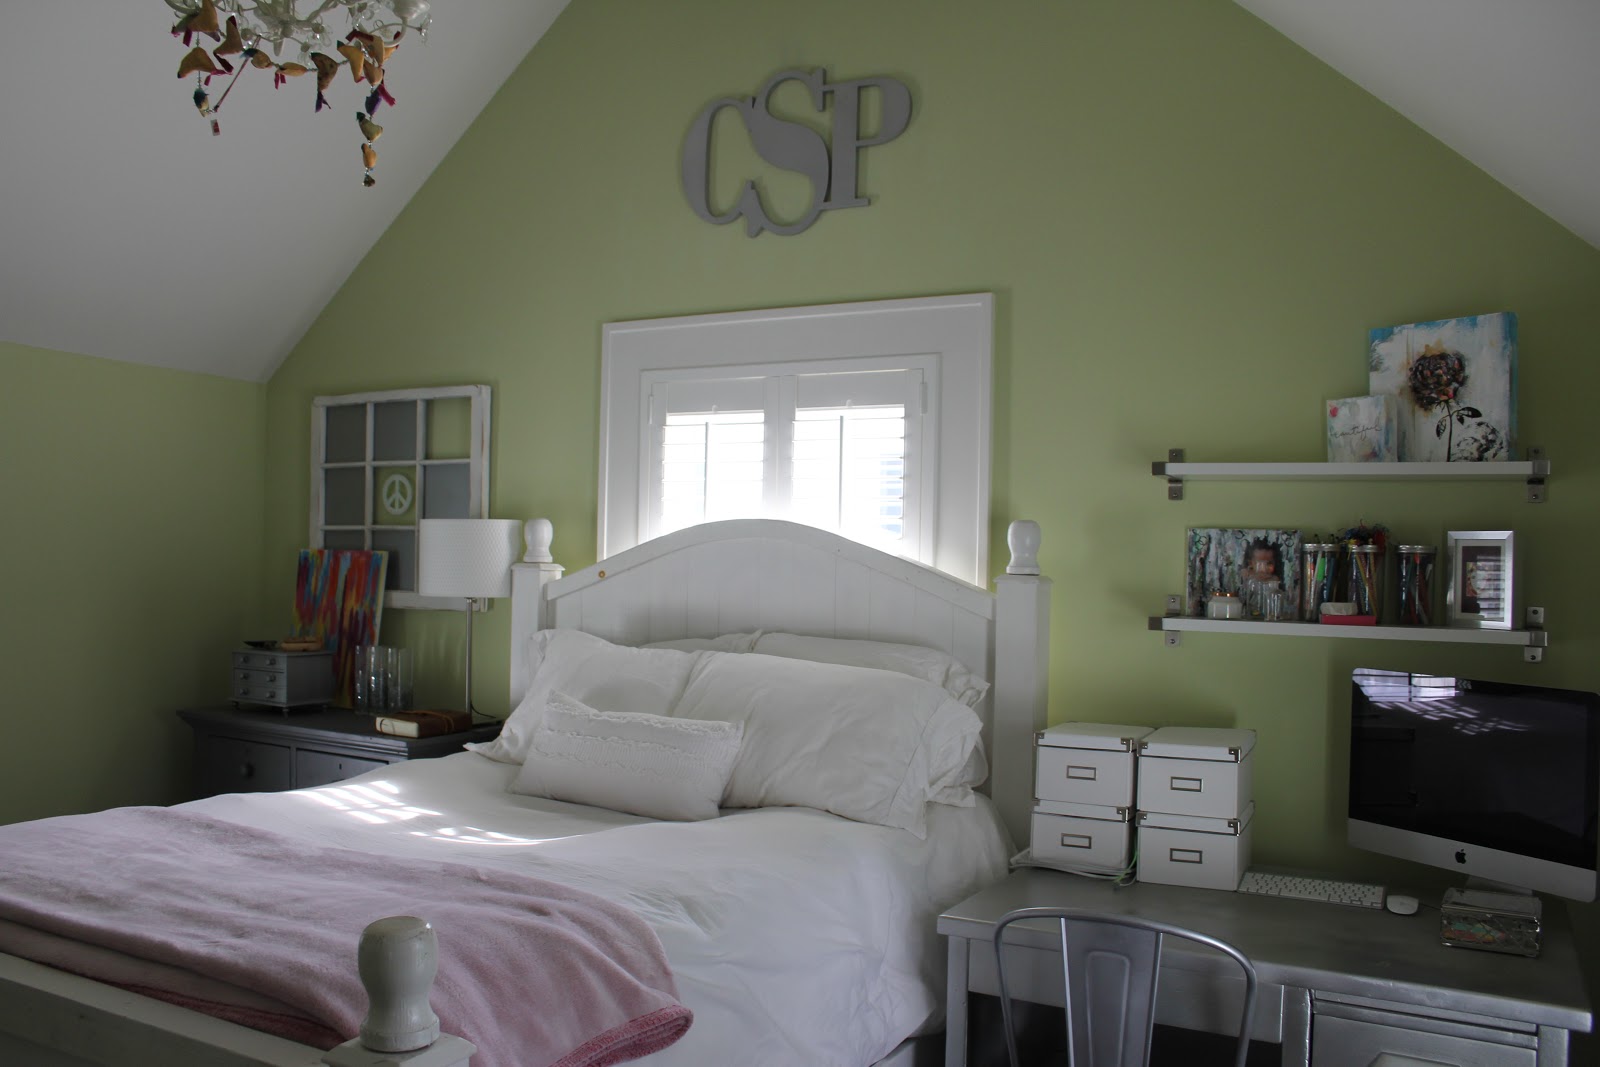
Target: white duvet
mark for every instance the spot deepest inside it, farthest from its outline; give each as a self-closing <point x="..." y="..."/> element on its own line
<point x="796" y="937"/>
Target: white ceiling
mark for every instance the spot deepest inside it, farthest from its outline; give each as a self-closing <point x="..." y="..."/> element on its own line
<point x="1512" y="85"/>
<point x="128" y="232"/>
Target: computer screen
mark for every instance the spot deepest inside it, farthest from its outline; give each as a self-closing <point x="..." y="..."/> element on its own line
<point x="1491" y="779"/>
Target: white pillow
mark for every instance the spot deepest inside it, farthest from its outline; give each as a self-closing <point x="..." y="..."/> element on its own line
<point x="651" y="765"/>
<point x="724" y="643"/>
<point x="592" y="670"/>
<point x="929" y="664"/>
<point x="866" y="744"/>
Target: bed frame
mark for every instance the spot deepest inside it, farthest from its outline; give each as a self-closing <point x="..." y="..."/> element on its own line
<point x="725" y="577"/>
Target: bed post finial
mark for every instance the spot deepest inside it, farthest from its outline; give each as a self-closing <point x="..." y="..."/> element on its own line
<point x="537" y="535"/>
<point x="1023" y="537"/>
<point x="1021" y="692"/>
<point x="397" y="961"/>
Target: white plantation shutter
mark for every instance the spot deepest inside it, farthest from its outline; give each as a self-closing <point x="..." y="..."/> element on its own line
<point x="846" y="440"/>
<point x="828" y="448"/>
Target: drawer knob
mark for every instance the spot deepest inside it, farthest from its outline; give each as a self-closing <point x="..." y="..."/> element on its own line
<point x="247" y="770"/>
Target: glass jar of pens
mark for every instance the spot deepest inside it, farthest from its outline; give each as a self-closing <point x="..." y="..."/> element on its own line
<point x="1319" y="577"/>
<point x="1366" y="551"/>
<point x="1415" y="564"/>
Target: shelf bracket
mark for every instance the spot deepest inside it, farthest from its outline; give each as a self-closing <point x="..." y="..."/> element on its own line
<point x="1170" y="638"/>
<point x="1174" y="485"/>
<point x="1537" y="638"/>
<point x="1536" y="481"/>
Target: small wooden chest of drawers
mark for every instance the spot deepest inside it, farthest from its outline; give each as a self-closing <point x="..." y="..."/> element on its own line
<point x="277" y="679"/>
<point x="242" y="751"/>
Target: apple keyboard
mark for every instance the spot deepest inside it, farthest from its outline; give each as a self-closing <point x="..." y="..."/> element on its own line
<point x="1298" y="887"/>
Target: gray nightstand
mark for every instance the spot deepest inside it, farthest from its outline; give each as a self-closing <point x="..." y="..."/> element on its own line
<point x="241" y="751"/>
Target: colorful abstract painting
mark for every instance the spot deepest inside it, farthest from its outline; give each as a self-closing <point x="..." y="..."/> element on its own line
<point x="1361" y="429"/>
<point x="1455" y="383"/>
<point x="338" y="597"/>
<point x="1226" y="561"/>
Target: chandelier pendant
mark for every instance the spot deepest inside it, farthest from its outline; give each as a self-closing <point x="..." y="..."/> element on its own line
<point x="248" y="29"/>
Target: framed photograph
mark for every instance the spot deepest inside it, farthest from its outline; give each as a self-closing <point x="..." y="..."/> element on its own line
<point x="1479" y="594"/>
<point x="1227" y="561"/>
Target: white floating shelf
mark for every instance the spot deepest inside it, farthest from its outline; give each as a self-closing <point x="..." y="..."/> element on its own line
<point x="1532" y="471"/>
<point x="1511" y="471"/>
<point x="1533" y="640"/>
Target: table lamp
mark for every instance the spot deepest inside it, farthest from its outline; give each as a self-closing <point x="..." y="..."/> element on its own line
<point x="468" y="558"/>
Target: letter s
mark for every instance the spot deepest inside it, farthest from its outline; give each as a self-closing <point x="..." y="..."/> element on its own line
<point x="789" y="146"/>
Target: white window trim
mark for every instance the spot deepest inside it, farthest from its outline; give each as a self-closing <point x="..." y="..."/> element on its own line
<point x="957" y="331"/>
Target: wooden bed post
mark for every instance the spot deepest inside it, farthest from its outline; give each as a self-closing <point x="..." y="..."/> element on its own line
<point x="397" y="961"/>
<point x="528" y="579"/>
<point x="1021" y="677"/>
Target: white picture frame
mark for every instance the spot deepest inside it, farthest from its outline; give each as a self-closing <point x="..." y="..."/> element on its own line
<point x="1480" y="595"/>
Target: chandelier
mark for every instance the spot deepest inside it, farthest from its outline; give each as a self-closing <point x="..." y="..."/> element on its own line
<point x="257" y="34"/>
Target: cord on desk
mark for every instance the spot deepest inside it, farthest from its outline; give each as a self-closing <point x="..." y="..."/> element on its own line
<point x="1117" y="876"/>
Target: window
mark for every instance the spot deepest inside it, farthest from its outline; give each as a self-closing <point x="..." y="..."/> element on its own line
<point x="380" y="461"/>
<point x="870" y="419"/>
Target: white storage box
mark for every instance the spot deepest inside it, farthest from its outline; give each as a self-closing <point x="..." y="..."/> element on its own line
<point x="1087" y="763"/>
<point x="1188" y="770"/>
<point x="1081" y="836"/>
<point x="1186" y="850"/>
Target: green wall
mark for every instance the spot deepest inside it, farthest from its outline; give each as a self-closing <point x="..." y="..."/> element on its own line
<point x="133" y="554"/>
<point x="1189" y="224"/>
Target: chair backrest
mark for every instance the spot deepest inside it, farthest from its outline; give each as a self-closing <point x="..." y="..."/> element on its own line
<point x="1111" y="964"/>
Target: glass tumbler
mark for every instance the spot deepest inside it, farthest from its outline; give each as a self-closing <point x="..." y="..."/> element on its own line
<point x="373" y="667"/>
<point x="1415" y="563"/>
<point x="397" y="679"/>
<point x="362" y="679"/>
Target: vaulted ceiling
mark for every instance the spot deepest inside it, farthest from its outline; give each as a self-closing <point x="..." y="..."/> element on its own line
<point x="128" y="232"/>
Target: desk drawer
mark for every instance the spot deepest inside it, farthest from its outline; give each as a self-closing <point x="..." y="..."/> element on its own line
<point x="324" y="768"/>
<point x="1357" y="1042"/>
<point x="1193" y="1000"/>
<point x="227" y="765"/>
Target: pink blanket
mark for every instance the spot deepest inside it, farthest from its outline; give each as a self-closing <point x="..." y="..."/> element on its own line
<point x="530" y="971"/>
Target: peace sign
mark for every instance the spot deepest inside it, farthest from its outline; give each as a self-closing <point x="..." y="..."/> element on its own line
<point x="396" y="494"/>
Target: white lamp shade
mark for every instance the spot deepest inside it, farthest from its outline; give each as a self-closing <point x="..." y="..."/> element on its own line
<point x="467" y="557"/>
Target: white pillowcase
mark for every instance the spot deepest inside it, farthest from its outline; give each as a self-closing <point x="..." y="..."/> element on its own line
<point x="651" y="765"/>
<point x="724" y="643"/>
<point x="929" y="664"/>
<point x="597" y="673"/>
<point x="870" y="745"/>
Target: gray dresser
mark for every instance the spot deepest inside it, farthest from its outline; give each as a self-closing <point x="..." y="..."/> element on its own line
<point x="276" y="679"/>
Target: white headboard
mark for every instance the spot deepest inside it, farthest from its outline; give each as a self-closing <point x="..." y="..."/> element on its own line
<point x="766" y="574"/>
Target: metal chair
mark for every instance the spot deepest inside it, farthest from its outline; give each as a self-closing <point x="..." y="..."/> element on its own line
<point x="1111" y="964"/>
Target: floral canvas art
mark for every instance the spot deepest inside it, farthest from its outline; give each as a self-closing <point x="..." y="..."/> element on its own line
<point x="1455" y="385"/>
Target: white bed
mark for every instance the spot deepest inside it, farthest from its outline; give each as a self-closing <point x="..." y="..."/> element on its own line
<point x="796" y="936"/>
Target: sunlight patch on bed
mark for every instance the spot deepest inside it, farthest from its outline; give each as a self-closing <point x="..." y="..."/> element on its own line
<point x="472" y="835"/>
<point x="378" y="803"/>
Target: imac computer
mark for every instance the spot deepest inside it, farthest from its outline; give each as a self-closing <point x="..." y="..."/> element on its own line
<point x="1497" y="781"/>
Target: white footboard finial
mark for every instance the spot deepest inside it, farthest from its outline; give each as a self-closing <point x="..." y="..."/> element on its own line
<point x="397" y="961"/>
<point x="398" y="958"/>
<point x="1023" y="537"/>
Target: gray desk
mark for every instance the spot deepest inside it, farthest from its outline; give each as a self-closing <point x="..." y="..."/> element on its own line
<point x="1339" y="986"/>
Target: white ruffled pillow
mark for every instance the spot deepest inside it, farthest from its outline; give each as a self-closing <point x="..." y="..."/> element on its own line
<point x="651" y="765"/>
<point x="870" y="745"/>
<point x="592" y="670"/>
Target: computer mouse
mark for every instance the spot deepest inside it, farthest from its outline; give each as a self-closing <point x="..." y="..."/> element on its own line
<point x="1401" y="904"/>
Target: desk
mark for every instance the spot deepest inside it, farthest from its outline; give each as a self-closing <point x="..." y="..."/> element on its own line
<point x="1338" y="985"/>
